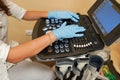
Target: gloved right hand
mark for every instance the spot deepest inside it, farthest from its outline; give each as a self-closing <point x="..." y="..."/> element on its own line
<point x="63" y="15"/>
<point x="68" y="31"/>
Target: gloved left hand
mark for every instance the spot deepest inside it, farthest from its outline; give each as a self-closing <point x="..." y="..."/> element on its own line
<point x="63" y="15"/>
<point x="68" y="31"/>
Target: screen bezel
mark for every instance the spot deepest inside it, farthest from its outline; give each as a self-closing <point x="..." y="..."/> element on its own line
<point x="114" y="34"/>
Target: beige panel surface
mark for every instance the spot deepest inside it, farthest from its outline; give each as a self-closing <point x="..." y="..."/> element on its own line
<point x="115" y="55"/>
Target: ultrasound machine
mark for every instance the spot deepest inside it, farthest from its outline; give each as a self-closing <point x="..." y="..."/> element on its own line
<point x="102" y="26"/>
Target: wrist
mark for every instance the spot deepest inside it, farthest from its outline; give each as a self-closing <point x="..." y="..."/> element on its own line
<point x="51" y="36"/>
<point x="49" y="14"/>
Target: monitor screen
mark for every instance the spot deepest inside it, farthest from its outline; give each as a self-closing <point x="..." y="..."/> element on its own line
<point x="106" y="16"/>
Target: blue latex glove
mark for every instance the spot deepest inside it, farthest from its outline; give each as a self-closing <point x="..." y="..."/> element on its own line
<point x="68" y="31"/>
<point x="63" y="15"/>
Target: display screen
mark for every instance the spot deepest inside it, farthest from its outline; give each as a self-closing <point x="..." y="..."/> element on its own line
<point x="106" y="16"/>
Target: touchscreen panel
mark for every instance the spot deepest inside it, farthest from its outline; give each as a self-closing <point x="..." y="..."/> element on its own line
<point x="106" y="16"/>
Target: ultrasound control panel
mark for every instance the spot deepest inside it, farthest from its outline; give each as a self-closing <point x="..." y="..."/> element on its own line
<point x="102" y="24"/>
<point x="68" y="47"/>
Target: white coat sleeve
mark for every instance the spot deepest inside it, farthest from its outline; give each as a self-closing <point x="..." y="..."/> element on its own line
<point x="4" y="50"/>
<point x="15" y="10"/>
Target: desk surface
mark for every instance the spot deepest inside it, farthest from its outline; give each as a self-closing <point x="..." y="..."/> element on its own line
<point x="115" y="55"/>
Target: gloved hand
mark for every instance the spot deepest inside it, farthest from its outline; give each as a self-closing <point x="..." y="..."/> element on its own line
<point x="68" y="31"/>
<point x="63" y="15"/>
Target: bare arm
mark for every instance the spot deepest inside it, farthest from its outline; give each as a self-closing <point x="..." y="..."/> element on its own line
<point x="34" y="15"/>
<point x="30" y="48"/>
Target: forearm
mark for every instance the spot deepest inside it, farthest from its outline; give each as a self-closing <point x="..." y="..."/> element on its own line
<point x="30" y="48"/>
<point x="34" y="15"/>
